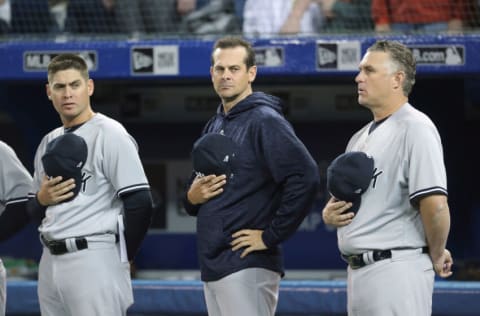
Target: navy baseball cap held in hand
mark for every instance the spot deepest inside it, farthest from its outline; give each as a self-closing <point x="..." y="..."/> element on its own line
<point x="212" y="153"/>
<point x="65" y="156"/>
<point x="348" y="176"/>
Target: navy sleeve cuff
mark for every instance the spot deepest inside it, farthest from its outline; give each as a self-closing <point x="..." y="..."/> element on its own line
<point x="190" y="208"/>
<point x="269" y="239"/>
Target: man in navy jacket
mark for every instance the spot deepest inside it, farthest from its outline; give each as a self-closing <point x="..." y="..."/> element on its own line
<point x="256" y="193"/>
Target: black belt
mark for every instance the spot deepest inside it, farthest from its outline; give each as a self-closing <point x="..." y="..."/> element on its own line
<point x="59" y="247"/>
<point x="356" y="261"/>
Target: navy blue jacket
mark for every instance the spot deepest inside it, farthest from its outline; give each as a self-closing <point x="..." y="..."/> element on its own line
<point x="273" y="186"/>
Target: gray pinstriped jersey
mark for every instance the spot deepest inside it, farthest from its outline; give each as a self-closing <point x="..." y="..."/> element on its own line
<point x="15" y="180"/>
<point x="408" y="164"/>
<point x="113" y="167"/>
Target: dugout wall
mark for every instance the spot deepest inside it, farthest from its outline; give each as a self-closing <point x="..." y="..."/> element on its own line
<point x="161" y="91"/>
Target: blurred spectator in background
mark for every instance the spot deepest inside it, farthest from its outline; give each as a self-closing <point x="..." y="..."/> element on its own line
<point x="239" y="6"/>
<point x="130" y="17"/>
<point x="267" y="18"/>
<point x="187" y="6"/>
<point x="418" y="15"/>
<point x="155" y="16"/>
<point x="121" y="16"/>
<point x="145" y="16"/>
<point x="209" y="17"/>
<point x="347" y="15"/>
<point x="472" y="14"/>
<point x="58" y="11"/>
<point x="5" y="16"/>
<point x="92" y="17"/>
<point x="31" y="16"/>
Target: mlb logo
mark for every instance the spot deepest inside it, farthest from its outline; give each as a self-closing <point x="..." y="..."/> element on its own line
<point x="39" y="60"/>
<point x="269" y="56"/>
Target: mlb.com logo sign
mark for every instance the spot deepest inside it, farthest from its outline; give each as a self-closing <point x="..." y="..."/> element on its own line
<point x="448" y="55"/>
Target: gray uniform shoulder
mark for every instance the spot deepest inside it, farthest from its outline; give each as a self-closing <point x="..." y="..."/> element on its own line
<point x="110" y="128"/>
<point x="412" y="117"/>
<point x="9" y="158"/>
<point x="52" y="134"/>
<point x="5" y="148"/>
<point x="17" y="180"/>
<point x="102" y="120"/>
<point x="418" y="127"/>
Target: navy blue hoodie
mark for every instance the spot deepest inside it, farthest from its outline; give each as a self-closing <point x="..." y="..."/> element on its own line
<point x="272" y="188"/>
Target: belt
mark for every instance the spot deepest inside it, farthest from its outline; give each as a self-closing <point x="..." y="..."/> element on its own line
<point x="59" y="247"/>
<point x="361" y="260"/>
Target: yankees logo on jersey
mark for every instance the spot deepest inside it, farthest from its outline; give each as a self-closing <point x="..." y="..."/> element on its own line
<point x="101" y="180"/>
<point x="389" y="145"/>
<point x="85" y="178"/>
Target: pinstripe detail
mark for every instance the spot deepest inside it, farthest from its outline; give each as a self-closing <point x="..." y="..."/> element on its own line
<point x="17" y="200"/>
<point x="132" y="188"/>
<point x="428" y="191"/>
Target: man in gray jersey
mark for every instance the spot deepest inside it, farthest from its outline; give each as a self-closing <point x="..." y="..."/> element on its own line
<point x="15" y="184"/>
<point x="84" y="268"/>
<point x="403" y="222"/>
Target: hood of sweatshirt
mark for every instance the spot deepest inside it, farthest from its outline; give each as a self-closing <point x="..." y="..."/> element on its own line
<point x="253" y="100"/>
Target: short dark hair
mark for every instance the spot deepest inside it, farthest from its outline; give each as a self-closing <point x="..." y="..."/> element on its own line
<point x="65" y="62"/>
<point x="402" y="57"/>
<point x="232" y="42"/>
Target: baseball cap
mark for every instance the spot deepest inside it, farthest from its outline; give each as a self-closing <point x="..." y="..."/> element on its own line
<point x="65" y="156"/>
<point x="213" y="153"/>
<point x="349" y="176"/>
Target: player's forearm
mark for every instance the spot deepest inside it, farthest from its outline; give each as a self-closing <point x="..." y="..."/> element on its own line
<point x="298" y="197"/>
<point x="455" y="25"/>
<point x="298" y="9"/>
<point x="137" y="222"/>
<point x="35" y="209"/>
<point x="13" y="219"/>
<point x="292" y="23"/>
<point x="190" y="208"/>
<point x="436" y="222"/>
<point x="138" y="215"/>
